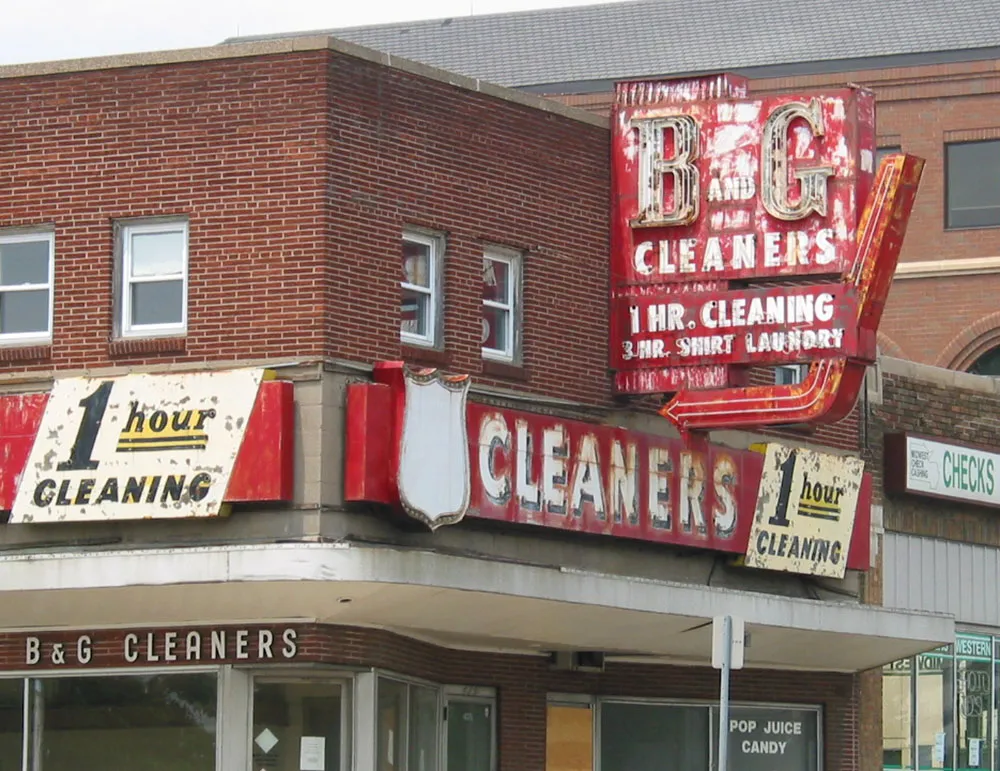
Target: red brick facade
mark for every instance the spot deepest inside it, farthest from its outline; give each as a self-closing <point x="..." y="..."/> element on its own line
<point x="920" y="109"/>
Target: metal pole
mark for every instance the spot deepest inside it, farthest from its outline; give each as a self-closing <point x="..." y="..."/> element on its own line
<point x="727" y="654"/>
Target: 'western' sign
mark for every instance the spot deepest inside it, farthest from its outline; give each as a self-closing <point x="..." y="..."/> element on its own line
<point x="923" y="466"/>
<point x="142" y="446"/>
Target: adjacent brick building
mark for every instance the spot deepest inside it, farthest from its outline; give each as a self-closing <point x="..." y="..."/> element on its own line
<point x="932" y="66"/>
<point x="229" y="251"/>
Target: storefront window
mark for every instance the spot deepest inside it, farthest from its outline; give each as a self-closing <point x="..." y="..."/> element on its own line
<point x="408" y="726"/>
<point x="153" y="722"/>
<point x="897" y="715"/>
<point x="470" y="735"/>
<point x="297" y="725"/>
<point x="974" y="683"/>
<point x="569" y="737"/>
<point x="11" y="723"/>
<point x="935" y="709"/>
<point x="639" y="737"/>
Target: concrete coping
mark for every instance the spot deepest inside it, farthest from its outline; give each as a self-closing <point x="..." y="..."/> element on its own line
<point x="297" y="44"/>
<point x="939" y="376"/>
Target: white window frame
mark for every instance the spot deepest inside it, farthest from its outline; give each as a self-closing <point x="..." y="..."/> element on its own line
<point x="20" y="237"/>
<point x="798" y="373"/>
<point x="435" y="246"/>
<point x="125" y="232"/>
<point x="513" y="260"/>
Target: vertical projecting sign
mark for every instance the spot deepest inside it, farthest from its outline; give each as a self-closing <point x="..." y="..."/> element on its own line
<point x="749" y="232"/>
<point x="136" y="446"/>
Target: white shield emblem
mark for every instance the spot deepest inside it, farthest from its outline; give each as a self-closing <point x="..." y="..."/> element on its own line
<point x="434" y="448"/>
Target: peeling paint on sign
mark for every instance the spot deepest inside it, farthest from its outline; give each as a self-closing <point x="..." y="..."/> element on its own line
<point x="135" y="447"/>
<point x="806" y="507"/>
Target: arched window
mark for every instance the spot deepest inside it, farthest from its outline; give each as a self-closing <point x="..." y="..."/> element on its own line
<point x="988" y="364"/>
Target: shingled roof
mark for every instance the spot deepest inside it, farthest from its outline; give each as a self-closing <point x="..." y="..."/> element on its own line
<point x="660" y="37"/>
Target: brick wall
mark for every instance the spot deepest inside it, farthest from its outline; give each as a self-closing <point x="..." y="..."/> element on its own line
<point x="919" y="109"/>
<point x="522" y="682"/>
<point x="234" y="145"/>
<point x="954" y="408"/>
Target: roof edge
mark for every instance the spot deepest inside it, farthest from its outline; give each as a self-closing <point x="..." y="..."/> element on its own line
<point x="294" y="45"/>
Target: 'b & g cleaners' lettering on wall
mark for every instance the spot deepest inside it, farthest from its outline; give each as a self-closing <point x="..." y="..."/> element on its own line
<point x="139" y="446"/>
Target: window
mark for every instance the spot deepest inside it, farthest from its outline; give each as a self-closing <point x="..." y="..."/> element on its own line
<point x="790" y="374"/>
<point x="973" y="184"/>
<point x="26" y="266"/>
<point x="469" y="730"/>
<point x="881" y="152"/>
<point x="420" y="308"/>
<point x="152" y="293"/>
<point x="408" y="726"/>
<point x="987" y="364"/>
<point x="501" y="285"/>
<point x="292" y="717"/>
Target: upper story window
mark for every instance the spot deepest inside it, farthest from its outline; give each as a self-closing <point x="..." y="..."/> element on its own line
<point x="501" y="297"/>
<point x="973" y="184"/>
<point x="790" y="374"/>
<point x="153" y="269"/>
<point x="881" y="152"/>
<point x="420" y="305"/>
<point x="26" y="268"/>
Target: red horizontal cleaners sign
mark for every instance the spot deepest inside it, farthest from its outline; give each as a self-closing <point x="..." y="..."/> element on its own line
<point x="761" y="326"/>
<point x="530" y="469"/>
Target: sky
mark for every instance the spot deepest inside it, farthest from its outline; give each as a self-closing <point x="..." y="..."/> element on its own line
<point x="45" y="30"/>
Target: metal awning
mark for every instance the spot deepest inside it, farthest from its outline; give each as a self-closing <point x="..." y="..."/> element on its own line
<point x="450" y="600"/>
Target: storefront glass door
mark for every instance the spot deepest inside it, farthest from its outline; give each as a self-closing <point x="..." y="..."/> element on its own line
<point x="299" y="725"/>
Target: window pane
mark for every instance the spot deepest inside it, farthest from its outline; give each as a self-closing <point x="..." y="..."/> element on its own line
<point x="495" y="332"/>
<point x="496" y="280"/>
<point x="639" y="737"/>
<point x="569" y="738"/>
<point x="758" y="735"/>
<point x="470" y="736"/>
<point x="935" y="711"/>
<point x="881" y="152"/>
<point x="26" y="262"/>
<point x="415" y="313"/>
<point x="157" y="302"/>
<point x="157" y="721"/>
<point x="157" y="254"/>
<point x="291" y="717"/>
<point x="11" y="722"/>
<point x="391" y="724"/>
<point x="987" y="364"/>
<point x="423" y="745"/>
<point x="416" y="264"/>
<point x="897" y="712"/>
<point x="975" y="702"/>
<point x="973" y="184"/>
<point x="24" y="312"/>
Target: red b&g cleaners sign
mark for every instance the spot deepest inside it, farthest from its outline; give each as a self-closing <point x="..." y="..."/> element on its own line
<point x="740" y="237"/>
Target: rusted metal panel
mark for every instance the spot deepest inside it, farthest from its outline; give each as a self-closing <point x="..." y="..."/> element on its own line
<point x="537" y="470"/>
<point x="830" y="390"/>
<point x="264" y="463"/>
<point x="805" y="512"/>
<point x="749" y="326"/>
<point x="715" y="192"/>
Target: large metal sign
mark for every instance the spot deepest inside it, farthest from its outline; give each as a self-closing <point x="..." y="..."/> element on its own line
<point x="530" y="469"/>
<point x="146" y="446"/>
<point x="747" y="232"/>
<point x="805" y="512"/>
